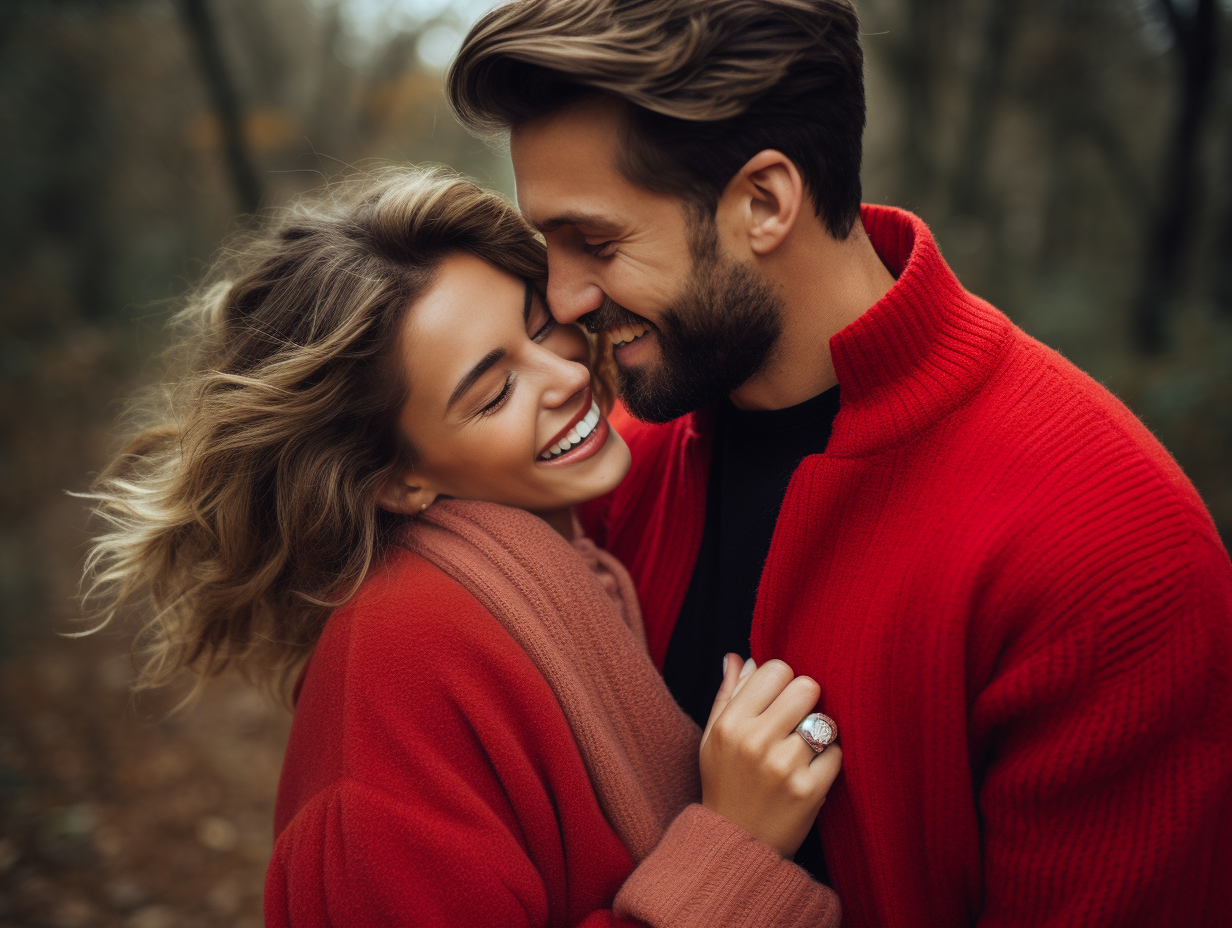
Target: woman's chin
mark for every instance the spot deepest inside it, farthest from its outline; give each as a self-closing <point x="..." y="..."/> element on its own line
<point x="612" y="468"/>
<point x="593" y="477"/>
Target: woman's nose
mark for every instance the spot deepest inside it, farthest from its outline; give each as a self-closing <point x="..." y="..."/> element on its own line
<point x="567" y="377"/>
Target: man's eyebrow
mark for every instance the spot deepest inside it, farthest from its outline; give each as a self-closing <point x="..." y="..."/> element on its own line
<point x="474" y="374"/>
<point x="573" y="219"/>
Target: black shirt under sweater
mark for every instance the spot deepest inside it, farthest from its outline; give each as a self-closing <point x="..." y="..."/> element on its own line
<point x="755" y="453"/>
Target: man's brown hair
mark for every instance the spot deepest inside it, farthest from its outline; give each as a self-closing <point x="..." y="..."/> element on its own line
<point x="710" y="84"/>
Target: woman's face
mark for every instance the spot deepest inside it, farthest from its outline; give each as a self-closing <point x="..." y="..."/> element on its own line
<point x="499" y="404"/>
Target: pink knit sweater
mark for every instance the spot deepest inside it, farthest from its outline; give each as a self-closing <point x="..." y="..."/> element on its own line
<point x="573" y="609"/>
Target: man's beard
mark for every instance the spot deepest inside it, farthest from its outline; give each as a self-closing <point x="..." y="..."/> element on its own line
<point x="717" y="335"/>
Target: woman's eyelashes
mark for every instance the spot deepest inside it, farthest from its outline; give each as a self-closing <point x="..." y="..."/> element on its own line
<point x="544" y="330"/>
<point x="499" y="401"/>
<point x="539" y="319"/>
<point x="543" y="319"/>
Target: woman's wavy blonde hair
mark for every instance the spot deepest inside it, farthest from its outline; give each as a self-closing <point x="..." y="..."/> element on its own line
<point x="244" y="509"/>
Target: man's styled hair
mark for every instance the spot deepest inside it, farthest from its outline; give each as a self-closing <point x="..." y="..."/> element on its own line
<point x="710" y="83"/>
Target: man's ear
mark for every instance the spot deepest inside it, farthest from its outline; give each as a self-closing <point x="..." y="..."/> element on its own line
<point x="763" y="200"/>
<point x="403" y="494"/>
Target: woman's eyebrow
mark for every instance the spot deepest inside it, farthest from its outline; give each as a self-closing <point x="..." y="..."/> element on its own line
<point x="526" y="306"/>
<point x="474" y="374"/>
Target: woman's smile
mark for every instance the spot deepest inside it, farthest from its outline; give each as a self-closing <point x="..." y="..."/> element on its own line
<point x="580" y="439"/>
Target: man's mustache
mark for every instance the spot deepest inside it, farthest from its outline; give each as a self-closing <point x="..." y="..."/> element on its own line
<point x="609" y="315"/>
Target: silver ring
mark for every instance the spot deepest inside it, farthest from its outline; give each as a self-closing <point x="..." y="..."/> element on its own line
<point x="817" y="730"/>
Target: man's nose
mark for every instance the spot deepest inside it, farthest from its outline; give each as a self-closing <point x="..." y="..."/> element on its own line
<point x="572" y="293"/>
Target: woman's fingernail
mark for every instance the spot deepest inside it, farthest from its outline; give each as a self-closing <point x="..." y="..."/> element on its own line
<point x="725" y="656"/>
<point x="748" y="668"/>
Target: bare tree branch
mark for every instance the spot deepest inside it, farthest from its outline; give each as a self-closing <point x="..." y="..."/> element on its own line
<point x="201" y="30"/>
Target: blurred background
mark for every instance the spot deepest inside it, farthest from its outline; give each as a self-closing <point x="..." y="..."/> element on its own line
<point x="1074" y="158"/>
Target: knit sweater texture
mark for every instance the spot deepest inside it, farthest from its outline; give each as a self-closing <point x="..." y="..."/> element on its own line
<point x="476" y="805"/>
<point x="1017" y="608"/>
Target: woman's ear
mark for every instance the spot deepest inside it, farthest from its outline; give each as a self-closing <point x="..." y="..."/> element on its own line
<point x="763" y="200"/>
<point x="402" y="494"/>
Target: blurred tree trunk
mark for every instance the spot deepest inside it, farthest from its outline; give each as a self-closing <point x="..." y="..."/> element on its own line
<point x="968" y="190"/>
<point x="1223" y="243"/>
<point x="1223" y="266"/>
<point x="204" y="35"/>
<point x="1195" y="44"/>
<point x="913" y="56"/>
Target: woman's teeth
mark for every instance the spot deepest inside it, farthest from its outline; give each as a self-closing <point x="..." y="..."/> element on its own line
<point x="575" y="435"/>
<point x="626" y="334"/>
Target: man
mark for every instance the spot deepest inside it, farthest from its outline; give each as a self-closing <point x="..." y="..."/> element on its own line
<point x="1016" y="605"/>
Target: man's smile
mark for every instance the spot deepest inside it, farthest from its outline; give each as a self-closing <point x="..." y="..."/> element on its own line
<point x="623" y="335"/>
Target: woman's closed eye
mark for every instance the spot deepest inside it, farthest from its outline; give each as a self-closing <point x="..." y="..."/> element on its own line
<point x="500" y="398"/>
<point x="539" y="320"/>
<point x="544" y="330"/>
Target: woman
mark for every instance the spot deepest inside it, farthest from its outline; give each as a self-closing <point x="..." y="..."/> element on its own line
<point x="372" y="460"/>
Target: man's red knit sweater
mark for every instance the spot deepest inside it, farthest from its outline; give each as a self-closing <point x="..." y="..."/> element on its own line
<point x="1017" y="607"/>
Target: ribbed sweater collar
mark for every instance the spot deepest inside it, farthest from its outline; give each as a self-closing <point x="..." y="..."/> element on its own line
<point x="916" y="354"/>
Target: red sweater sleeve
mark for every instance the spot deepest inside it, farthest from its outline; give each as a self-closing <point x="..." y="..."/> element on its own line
<point x="358" y="857"/>
<point x="708" y="872"/>
<point x="1105" y="794"/>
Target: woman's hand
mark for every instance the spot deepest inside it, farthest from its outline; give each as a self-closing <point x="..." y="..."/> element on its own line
<point x="756" y="771"/>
